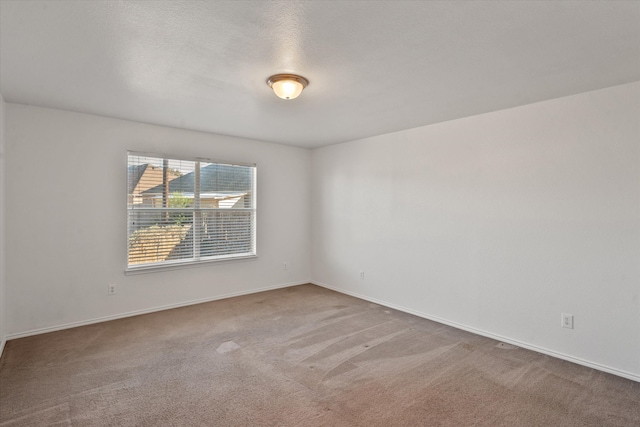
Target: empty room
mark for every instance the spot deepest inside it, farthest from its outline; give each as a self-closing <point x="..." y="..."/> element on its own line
<point x="319" y="213"/>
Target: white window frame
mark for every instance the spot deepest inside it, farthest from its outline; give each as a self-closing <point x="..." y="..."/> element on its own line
<point x="197" y="210"/>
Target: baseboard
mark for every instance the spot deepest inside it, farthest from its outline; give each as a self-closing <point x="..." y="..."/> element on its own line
<point x="2" y="344"/>
<point x="145" y="311"/>
<point x="483" y="333"/>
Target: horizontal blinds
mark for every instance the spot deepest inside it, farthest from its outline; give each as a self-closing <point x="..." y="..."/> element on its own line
<point x="160" y="236"/>
<point x="226" y="233"/>
<point x="188" y="211"/>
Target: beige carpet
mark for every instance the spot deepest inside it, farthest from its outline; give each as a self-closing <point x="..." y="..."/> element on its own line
<point x="302" y="356"/>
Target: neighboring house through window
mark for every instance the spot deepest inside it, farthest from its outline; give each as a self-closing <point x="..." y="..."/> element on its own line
<point x="183" y="211"/>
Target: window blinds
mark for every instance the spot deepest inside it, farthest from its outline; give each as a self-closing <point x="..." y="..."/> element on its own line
<point x="186" y="211"/>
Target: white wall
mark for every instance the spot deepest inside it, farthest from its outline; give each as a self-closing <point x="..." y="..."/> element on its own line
<point x="2" y="237"/>
<point x="66" y="219"/>
<point x="497" y="223"/>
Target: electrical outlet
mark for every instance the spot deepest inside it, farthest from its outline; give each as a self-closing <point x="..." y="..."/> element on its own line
<point x="362" y="275"/>
<point x="111" y="289"/>
<point x="567" y="321"/>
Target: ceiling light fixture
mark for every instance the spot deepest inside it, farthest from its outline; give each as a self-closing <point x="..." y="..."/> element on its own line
<point x="287" y="86"/>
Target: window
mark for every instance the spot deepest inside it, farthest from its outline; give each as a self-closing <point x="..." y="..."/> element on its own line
<point x="185" y="211"/>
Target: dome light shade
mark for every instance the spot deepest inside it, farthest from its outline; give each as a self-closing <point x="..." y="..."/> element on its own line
<point x="287" y="86"/>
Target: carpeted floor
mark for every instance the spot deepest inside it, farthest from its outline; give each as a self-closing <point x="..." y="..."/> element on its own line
<point x="301" y="356"/>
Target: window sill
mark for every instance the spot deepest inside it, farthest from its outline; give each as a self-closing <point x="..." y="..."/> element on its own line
<point x="180" y="265"/>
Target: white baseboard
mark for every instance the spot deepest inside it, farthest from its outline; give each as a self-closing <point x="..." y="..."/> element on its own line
<point x="532" y="347"/>
<point x="145" y="311"/>
<point x="2" y="344"/>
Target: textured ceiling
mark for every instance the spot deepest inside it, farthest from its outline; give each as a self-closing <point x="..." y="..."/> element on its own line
<point x="374" y="67"/>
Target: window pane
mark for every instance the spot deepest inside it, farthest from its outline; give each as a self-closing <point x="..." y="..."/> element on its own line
<point x="160" y="236"/>
<point x="147" y="177"/>
<point x="225" y="186"/>
<point x="226" y="232"/>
